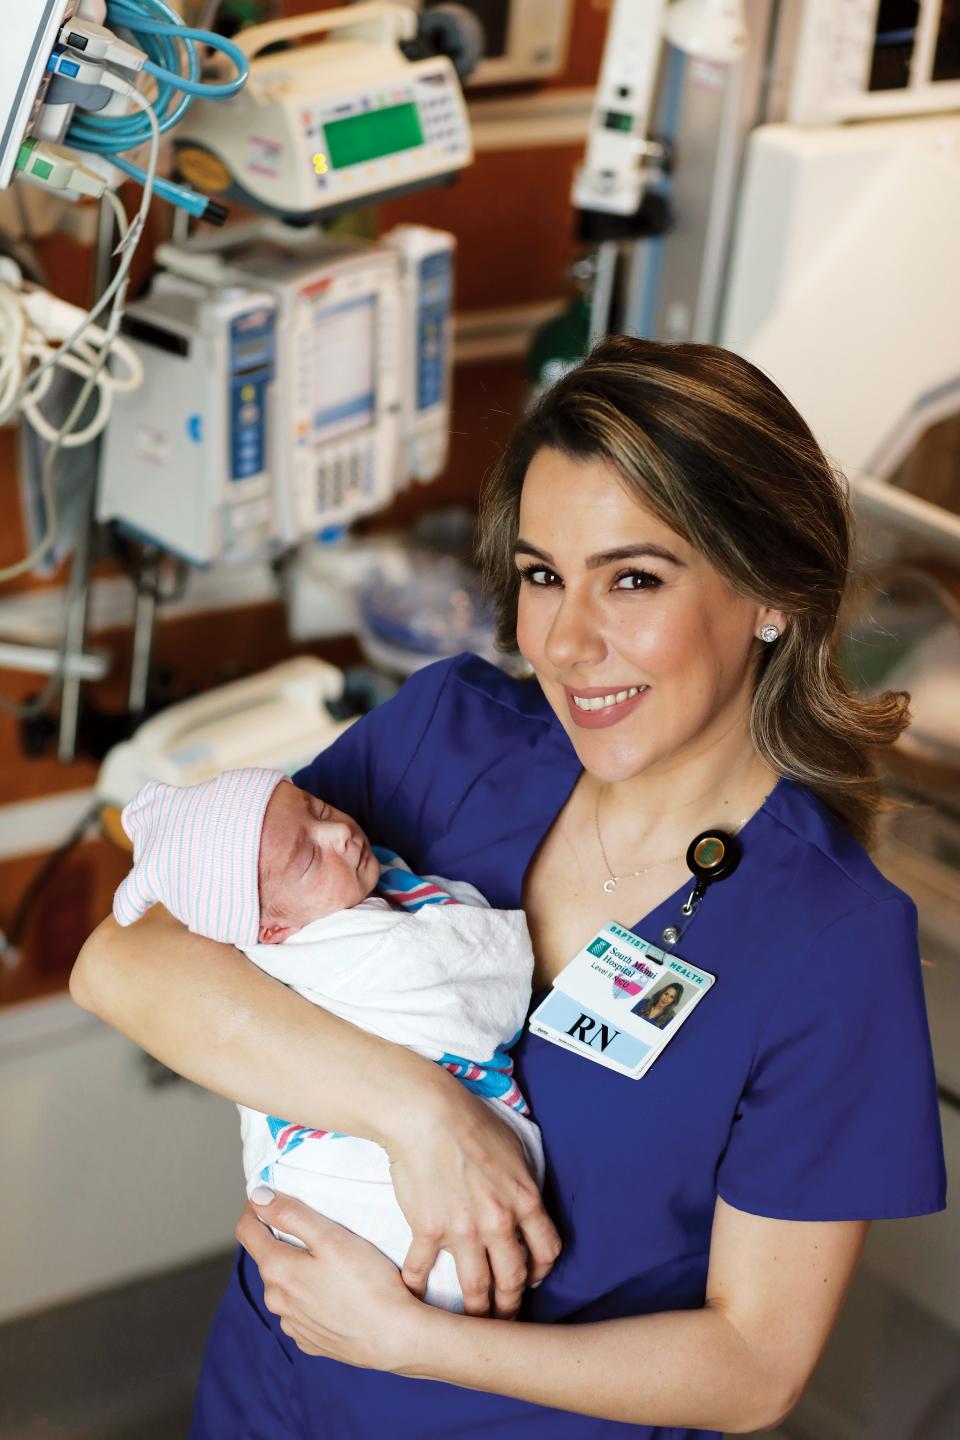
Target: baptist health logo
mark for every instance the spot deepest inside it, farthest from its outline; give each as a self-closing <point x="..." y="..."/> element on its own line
<point x="598" y="948"/>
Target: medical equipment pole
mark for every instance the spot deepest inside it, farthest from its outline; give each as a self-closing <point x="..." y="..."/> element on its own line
<point x="78" y="590"/>
<point x="144" y="616"/>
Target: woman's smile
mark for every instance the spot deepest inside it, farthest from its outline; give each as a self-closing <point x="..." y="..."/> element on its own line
<point x="593" y="709"/>
<point x="613" y="606"/>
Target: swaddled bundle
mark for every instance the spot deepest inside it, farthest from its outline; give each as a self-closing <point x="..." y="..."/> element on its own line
<point x="423" y="962"/>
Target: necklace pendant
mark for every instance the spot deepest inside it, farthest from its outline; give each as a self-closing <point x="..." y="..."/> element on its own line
<point x="610" y="885"/>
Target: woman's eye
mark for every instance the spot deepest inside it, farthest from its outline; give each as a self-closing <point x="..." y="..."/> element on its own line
<point x="538" y="575"/>
<point x="637" y="580"/>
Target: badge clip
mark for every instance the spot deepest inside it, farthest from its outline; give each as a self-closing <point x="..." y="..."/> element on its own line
<point x="711" y="856"/>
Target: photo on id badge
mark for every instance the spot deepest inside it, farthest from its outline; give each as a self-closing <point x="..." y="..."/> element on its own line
<point x="637" y="972"/>
<point x="620" y="1000"/>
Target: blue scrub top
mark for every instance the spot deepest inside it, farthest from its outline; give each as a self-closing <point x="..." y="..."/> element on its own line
<point x="802" y="1087"/>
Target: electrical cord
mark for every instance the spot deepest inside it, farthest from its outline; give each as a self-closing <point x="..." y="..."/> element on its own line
<point x="32" y="323"/>
<point x="130" y="236"/>
<point x="10" y="944"/>
<point x="172" y="54"/>
<point x="10" y="572"/>
<point x="114" y="295"/>
<point x="168" y="52"/>
<point x="83" y="64"/>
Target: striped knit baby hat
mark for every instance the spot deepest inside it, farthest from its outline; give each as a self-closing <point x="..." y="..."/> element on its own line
<point x="195" y="851"/>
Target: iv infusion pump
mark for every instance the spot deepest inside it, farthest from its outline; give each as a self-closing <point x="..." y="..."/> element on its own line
<point x="185" y="464"/>
<point x="347" y="402"/>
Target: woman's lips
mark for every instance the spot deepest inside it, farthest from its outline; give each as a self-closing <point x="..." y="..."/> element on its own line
<point x="609" y="715"/>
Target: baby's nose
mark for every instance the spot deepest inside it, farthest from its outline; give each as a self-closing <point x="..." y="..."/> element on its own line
<point x="338" y="834"/>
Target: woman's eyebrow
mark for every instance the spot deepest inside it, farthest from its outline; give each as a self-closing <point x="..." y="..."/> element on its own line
<point x="605" y="557"/>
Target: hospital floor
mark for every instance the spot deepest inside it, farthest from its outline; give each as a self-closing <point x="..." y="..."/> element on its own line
<point x="122" y="1365"/>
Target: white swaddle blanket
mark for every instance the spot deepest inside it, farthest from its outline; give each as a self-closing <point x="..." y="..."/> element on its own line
<point x="449" y="981"/>
<point x="425" y="963"/>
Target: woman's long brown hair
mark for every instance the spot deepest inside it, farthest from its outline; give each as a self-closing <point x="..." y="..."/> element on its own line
<point x="710" y="444"/>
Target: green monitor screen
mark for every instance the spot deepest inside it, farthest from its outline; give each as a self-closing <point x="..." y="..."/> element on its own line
<point x="375" y="133"/>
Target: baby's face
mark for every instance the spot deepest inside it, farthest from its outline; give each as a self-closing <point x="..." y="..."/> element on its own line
<point x="313" y="860"/>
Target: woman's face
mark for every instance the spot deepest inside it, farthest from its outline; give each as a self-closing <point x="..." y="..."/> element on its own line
<point x="642" y="649"/>
<point x="670" y="996"/>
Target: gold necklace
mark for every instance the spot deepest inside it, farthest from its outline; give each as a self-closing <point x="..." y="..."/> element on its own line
<point x="612" y="880"/>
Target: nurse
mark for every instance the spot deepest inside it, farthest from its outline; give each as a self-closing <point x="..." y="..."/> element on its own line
<point x="669" y="550"/>
<point x="660" y="1009"/>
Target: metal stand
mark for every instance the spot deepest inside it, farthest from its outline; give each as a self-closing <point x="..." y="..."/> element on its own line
<point x="79" y="585"/>
<point x="143" y="623"/>
<point x="601" y="299"/>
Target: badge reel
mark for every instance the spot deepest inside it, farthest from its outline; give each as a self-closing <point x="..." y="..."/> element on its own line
<point x="712" y="856"/>
<point x="621" y="1000"/>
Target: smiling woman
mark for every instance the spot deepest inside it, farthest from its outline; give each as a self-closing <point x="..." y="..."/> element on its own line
<point x="669" y="549"/>
<point x="668" y="628"/>
<point x="700" y="469"/>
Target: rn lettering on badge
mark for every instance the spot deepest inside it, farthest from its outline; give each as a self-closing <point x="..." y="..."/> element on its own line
<point x="592" y="1035"/>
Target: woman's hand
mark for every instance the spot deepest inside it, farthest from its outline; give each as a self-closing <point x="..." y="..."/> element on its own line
<point x="340" y="1297"/>
<point x="462" y="1181"/>
<point x="459" y="1172"/>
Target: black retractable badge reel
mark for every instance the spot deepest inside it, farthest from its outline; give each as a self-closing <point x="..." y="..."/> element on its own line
<point x="711" y="856"/>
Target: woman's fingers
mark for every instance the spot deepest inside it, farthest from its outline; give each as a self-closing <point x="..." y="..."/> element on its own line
<point x="294" y="1218"/>
<point x="421" y="1258"/>
<point x="290" y="1216"/>
<point x="543" y="1244"/>
<point x="473" y="1273"/>
<point x="508" y="1265"/>
<point x="256" y="1239"/>
<point x="337" y="1295"/>
<point x="469" y="1191"/>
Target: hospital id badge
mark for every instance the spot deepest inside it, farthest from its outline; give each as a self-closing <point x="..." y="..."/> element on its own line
<point x="620" y="1001"/>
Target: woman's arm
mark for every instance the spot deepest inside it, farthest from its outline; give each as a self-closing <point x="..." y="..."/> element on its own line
<point x="211" y="1015"/>
<point x="739" y="1364"/>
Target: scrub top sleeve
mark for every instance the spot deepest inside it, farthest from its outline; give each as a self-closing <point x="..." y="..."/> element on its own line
<point x="364" y="766"/>
<point x="839" y="1119"/>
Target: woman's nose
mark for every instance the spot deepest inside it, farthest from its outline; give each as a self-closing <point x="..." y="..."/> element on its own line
<point x="573" y="637"/>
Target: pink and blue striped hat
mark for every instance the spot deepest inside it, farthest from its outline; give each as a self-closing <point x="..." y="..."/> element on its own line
<point x="196" y="850"/>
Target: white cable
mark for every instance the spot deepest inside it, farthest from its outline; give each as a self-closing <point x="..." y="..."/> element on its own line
<point x="126" y="248"/>
<point x="29" y="333"/>
<point x="114" y="295"/>
<point x="119" y="214"/>
<point x="12" y="335"/>
<point x="10" y="572"/>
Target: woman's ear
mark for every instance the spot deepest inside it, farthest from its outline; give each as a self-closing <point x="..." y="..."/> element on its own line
<point x="778" y="618"/>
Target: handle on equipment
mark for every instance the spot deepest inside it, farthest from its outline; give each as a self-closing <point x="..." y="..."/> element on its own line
<point x="376" y="19"/>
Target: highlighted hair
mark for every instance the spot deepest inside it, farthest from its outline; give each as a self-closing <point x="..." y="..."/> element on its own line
<point x="708" y="443"/>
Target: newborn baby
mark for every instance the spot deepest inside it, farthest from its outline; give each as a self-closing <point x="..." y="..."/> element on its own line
<point x="250" y="859"/>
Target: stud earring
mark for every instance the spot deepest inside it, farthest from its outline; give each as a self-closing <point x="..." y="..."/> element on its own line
<point x="769" y="633"/>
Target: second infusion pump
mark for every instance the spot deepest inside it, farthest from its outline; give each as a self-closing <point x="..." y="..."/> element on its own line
<point x="359" y="405"/>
